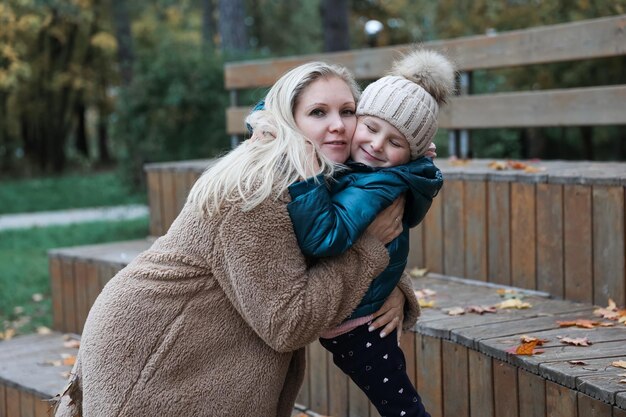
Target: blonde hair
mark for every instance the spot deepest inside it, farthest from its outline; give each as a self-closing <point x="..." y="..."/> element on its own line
<point x="257" y="168"/>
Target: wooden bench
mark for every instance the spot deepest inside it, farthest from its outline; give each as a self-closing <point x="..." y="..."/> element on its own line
<point x="591" y="39"/>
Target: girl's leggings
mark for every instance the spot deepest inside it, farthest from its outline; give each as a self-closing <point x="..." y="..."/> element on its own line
<point x="378" y="367"/>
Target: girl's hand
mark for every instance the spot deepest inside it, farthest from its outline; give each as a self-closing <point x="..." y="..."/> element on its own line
<point x="388" y="224"/>
<point x="390" y="315"/>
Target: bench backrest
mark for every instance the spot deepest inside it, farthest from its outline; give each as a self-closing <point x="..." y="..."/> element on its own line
<point x="598" y="105"/>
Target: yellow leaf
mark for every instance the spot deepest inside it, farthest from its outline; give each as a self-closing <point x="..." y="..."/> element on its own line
<point x="426" y="304"/>
<point x="513" y="303"/>
<point x="456" y="311"/>
<point x="619" y="364"/>
<point x="69" y="360"/>
<point x="418" y="272"/>
<point x="497" y="165"/>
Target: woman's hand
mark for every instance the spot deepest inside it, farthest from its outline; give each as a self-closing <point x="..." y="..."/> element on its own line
<point x="390" y="315"/>
<point x="388" y="224"/>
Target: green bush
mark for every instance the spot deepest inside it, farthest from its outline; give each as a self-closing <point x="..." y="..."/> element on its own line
<point x="174" y="109"/>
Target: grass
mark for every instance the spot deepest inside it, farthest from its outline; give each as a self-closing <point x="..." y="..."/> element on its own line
<point x="65" y="192"/>
<point x="24" y="266"/>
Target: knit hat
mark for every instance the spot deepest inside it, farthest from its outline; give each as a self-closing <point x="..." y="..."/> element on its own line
<point x="410" y="96"/>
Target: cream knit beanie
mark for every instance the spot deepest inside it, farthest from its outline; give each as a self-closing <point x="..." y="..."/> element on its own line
<point x="410" y="96"/>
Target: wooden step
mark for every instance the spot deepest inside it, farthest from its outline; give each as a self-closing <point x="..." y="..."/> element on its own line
<point x="461" y="366"/>
<point x="32" y="372"/>
<point x="561" y="230"/>
<point x="78" y="274"/>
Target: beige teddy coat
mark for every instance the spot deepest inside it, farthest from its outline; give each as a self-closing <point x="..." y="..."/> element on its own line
<point x="212" y="320"/>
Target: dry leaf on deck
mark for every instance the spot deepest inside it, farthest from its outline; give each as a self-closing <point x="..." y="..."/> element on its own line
<point x="579" y="341"/>
<point x="481" y="309"/>
<point x="527" y="339"/>
<point x="516" y="165"/>
<point x="619" y="364"/>
<point x="497" y="165"/>
<point x="526" y="349"/>
<point x="577" y="362"/>
<point x="425" y="293"/>
<point x="418" y="272"/>
<point x="533" y="170"/>
<point x="68" y="360"/>
<point x="583" y="323"/>
<point x="75" y="344"/>
<point x="622" y="381"/>
<point x="456" y="162"/>
<point x="513" y="303"/>
<point x="456" y="311"/>
<point x="43" y="330"/>
<point x="426" y="304"/>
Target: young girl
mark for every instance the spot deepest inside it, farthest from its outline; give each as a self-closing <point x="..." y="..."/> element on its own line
<point x="397" y="120"/>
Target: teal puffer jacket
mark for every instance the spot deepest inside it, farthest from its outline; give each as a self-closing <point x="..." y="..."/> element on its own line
<point x="329" y="218"/>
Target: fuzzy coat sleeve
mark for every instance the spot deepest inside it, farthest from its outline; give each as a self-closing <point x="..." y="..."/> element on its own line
<point x="411" y="305"/>
<point x="265" y="276"/>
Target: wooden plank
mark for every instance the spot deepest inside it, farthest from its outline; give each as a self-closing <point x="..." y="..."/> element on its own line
<point x="407" y="344"/>
<point x="69" y="295"/>
<point x="587" y="39"/>
<point x="13" y="401"/>
<point x="569" y="375"/>
<point x="480" y="385"/>
<point x="3" y="401"/>
<point x="564" y="107"/>
<point x="27" y="404"/>
<point x="429" y="373"/>
<point x="416" y="247"/>
<point x="604" y="386"/>
<point x="453" y="228"/>
<point x="608" y="245"/>
<point x="560" y="401"/>
<point x="433" y="228"/>
<point x="154" y="194"/>
<point x="523" y="243"/>
<point x="476" y="248"/>
<point x="499" y="232"/>
<point x="577" y="243"/>
<point x="532" y="394"/>
<point x="337" y="389"/>
<point x="550" y="239"/>
<point x="618" y="412"/>
<point x="621" y="400"/>
<point x="56" y="288"/>
<point x="319" y="378"/>
<point x="590" y="407"/>
<point x="82" y="294"/>
<point x="505" y="390"/>
<point x="181" y="188"/>
<point x="168" y="199"/>
<point x="455" y="380"/>
<point x="42" y="408"/>
<point x="93" y="283"/>
<point x="358" y="402"/>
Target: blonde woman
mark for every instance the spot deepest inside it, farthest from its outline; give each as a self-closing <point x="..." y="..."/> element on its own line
<point x="213" y="319"/>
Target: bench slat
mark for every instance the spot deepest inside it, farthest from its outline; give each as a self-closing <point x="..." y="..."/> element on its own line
<point x="592" y="38"/>
<point x="563" y="107"/>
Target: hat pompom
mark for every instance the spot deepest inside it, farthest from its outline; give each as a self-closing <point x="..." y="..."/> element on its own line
<point x="429" y="69"/>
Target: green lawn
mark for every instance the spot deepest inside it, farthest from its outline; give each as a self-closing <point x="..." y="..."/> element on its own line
<point x="24" y="266"/>
<point x="66" y="192"/>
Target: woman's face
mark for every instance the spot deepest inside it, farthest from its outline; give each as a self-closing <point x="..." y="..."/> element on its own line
<point x="325" y="113"/>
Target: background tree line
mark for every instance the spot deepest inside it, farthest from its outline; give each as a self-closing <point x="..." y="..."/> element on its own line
<point x="89" y="83"/>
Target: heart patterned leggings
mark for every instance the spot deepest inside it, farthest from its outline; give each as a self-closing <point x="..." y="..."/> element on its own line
<point x="378" y="368"/>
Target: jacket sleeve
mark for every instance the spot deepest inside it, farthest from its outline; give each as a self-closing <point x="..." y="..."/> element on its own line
<point x="328" y="224"/>
<point x="411" y="305"/>
<point x="267" y="279"/>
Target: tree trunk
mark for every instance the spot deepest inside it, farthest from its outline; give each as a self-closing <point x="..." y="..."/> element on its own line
<point x="586" y="132"/>
<point x="208" y="23"/>
<point x="125" y="52"/>
<point x="81" y="129"/>
<point x="232" y="25"/>
<point x="103" y="140"/>
<point x="335" y="25"/>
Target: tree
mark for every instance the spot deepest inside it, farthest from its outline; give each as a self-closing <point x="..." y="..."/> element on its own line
<point x="124" y="38"/>
<point x="335" y="25"/>
<point x="232" y="26"/>
<point x="208" y="23"/>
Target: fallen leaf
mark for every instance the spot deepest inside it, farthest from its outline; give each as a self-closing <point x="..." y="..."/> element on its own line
<point x="516" y="165"/>
<point x="580" y="341"/>
<point x="513" y="303"/>
<point x="583" y="323"/>
<point x="533" y="170"/>
<point x="606" y="324"/>
<point x="527" y="339"/>
<point x="526" y="349"/>
<point x="7" y="334"/>
<point x="72" y="344"/>
<point x="456" y="311"/>
<point x="619" y="364"/>
<point x="578" y="362"/>
<point x="418" y="272"/>
<point x="425" y="293"/>
<point x="497" y="165"/>
<point x="426" y="304"/>
<point x="622" y="381"/>
<point x="68" y="360"/>
<point x="456" y="162"/>
<point x="481" y="309"/>
<point x="43" y="330"/>
<point x="621" y="375"/>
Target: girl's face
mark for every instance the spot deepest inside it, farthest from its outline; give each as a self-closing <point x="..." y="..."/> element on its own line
<point x="378" y="143"/>
<point x="325" y="113"/>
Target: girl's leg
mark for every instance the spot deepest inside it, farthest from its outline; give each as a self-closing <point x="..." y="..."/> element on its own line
<point x="378" y="367"/>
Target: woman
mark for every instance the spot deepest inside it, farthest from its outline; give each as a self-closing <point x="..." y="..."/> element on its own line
<point x="213" y="319"/>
